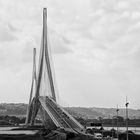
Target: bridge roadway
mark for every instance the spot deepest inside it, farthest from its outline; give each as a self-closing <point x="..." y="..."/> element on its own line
<point x="59" y="116"/>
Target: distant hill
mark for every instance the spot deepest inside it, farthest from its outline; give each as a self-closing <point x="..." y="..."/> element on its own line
<point x="87" y="113"/>
<point x="13" y="109"/>
<point x="94" y="112"/>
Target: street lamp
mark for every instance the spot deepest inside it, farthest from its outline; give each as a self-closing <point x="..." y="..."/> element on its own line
<point x="134" y="123"/>
<point x="126" y="119"/>
<point x="117" y="110"/>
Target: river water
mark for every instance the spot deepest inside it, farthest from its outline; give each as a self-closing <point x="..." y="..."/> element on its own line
<point x="8" y="130"/>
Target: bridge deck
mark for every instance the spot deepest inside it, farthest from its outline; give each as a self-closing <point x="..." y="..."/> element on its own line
<point x="59" y="116"/>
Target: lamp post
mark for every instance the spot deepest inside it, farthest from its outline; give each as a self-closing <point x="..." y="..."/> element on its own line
<point x="126" y="120"/>
<point x="117" y="110"/>
<point x="134" y="123"/>
<point x="112" y="127"/>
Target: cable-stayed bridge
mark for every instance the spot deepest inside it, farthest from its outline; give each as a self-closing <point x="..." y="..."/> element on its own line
<point x="44" y="89"/>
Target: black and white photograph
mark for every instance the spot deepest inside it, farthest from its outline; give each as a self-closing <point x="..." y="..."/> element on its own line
<point x="69" y="69"/>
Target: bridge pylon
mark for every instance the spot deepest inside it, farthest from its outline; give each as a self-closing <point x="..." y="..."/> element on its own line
<point x="33" y="89"/>
<point x="53" y="115"/>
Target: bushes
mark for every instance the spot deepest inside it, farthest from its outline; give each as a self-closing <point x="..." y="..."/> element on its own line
<point x="11" y="120"/>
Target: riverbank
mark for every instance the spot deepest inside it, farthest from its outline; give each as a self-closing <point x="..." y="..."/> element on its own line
<point x="39" y="133"/>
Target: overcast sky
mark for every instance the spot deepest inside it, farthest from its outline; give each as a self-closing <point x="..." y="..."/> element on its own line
<point x="95" y="48"/>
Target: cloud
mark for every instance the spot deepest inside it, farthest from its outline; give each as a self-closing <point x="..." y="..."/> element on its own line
<point x="58" y="43"/>
<point x="6" y="33"/>
<point x="12" y="28"/>
<point x="2" y="57"/>
<point x="95" y="46"/>
<point x="123" y="4"/>
<point x="27" y="53"/>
